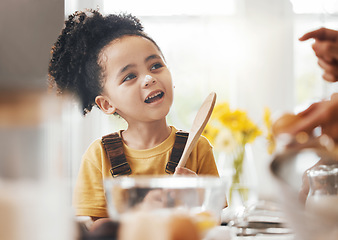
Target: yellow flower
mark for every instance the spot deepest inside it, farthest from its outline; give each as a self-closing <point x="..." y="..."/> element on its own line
<point x="225" y="141"/>
<point x="242" y="129"/>
<point x="210" y="132"/>
<point x="267" y="118"/>
<point x="269" y="136"/>
<point x="220" y="109"/>
<point x="235" y="120"/>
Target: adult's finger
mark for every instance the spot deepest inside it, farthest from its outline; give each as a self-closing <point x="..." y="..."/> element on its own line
<point x="321" y="34"/>
<point x="331" y="130"/>
<point x="307" y="124"/>
<point x="329" y="77"/>
<point x="310" y="119"/>
<point x="309" y="110"/>
<point x="321" y="113"/>
<point x="326" y="50"/>
<point x="330" y="70"/>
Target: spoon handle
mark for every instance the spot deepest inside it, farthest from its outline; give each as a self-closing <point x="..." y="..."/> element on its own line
<point x="200" y="121"/>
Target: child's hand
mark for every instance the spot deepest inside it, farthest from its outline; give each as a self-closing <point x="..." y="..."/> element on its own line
<point x="184" y="171"/>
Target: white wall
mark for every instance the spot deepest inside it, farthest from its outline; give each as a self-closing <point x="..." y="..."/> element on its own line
<point x="265" y="72"/>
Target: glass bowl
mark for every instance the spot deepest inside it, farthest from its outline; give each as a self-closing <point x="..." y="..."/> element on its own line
<point x="201" y="198"/>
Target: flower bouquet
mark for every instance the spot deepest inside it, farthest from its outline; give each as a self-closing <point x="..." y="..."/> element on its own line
<point x="230" y="131"/>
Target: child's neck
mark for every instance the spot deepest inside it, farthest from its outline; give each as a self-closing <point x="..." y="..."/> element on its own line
<point x="145" y="135"/>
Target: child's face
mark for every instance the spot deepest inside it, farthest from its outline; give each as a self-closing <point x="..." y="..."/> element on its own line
<point x="138" y="84"/>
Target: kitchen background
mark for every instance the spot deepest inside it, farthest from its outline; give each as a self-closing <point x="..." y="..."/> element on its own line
<point x="246" y="51"/>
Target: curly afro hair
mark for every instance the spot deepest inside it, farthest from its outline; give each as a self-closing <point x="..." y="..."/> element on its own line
<point x="74" y="63"/>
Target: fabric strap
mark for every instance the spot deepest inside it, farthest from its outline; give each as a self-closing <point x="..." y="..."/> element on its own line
<point x="180" y="141"/>
<point x="113" y="146"/>
<point x="114" y="150"/>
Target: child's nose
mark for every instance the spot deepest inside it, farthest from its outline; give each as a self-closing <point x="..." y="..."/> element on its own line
<point x="149" y="80"/>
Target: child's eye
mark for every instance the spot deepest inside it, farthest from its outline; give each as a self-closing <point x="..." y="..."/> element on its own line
<point x="129" y="77"/>
<point x="156" y="66"/>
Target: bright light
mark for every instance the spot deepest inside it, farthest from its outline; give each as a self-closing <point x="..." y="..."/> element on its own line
<point x="315" y="6"/>
<point x="172" y="7"/>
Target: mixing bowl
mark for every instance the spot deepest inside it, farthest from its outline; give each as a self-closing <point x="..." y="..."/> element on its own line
<point x="165" y="207"/>
<point x="196" y="194"/>
<point x="168" y="207"/>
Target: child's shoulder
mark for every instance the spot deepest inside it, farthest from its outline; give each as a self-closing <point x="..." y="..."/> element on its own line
<point x="95" y="145"/>
<point x="203" y="141"/>
<point x="94" y="152"/>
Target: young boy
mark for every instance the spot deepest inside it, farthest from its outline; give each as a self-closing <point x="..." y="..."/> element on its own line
<point x="108" y="61"/>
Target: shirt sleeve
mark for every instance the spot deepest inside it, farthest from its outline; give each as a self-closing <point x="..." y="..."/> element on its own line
<point x="206" y="159"/>
<point x="89" y="198"/>
<point x="207" y="164"/>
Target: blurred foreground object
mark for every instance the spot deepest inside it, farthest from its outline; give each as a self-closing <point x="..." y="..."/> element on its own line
<point x="322" y="199"/>
<point x="195" y="202"/>
<point x="30" y="126"/>
<point x="291" y="170"/>
<point x="262" y="218"/>
<point x="34" y="194"/>
<point x="28" y="30"/>
<point x="145" y="225"/>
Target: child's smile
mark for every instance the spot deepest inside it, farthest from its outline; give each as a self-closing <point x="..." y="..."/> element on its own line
<point x="154" y="97"/>
<point x="138" y="84"/>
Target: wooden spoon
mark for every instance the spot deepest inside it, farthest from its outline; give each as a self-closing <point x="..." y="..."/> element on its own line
<point x="201" y="119"/>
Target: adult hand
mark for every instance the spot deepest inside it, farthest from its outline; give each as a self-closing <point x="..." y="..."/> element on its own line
<point x="323" y="114"/>
<point x="326" y="49"/>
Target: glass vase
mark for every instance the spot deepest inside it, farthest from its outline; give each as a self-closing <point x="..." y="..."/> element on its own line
<point x="238" y="166"/>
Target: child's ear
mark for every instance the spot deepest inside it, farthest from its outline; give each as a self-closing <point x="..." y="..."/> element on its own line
<point x="104" y="105"/>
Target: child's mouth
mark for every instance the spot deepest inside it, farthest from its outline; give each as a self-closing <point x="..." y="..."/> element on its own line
<point x="154" y="97"/>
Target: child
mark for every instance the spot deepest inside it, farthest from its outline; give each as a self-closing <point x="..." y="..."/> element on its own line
<point x="110" y="62"/>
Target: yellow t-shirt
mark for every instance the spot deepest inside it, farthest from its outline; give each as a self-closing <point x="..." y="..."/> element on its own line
<point x="89" y="198"/>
